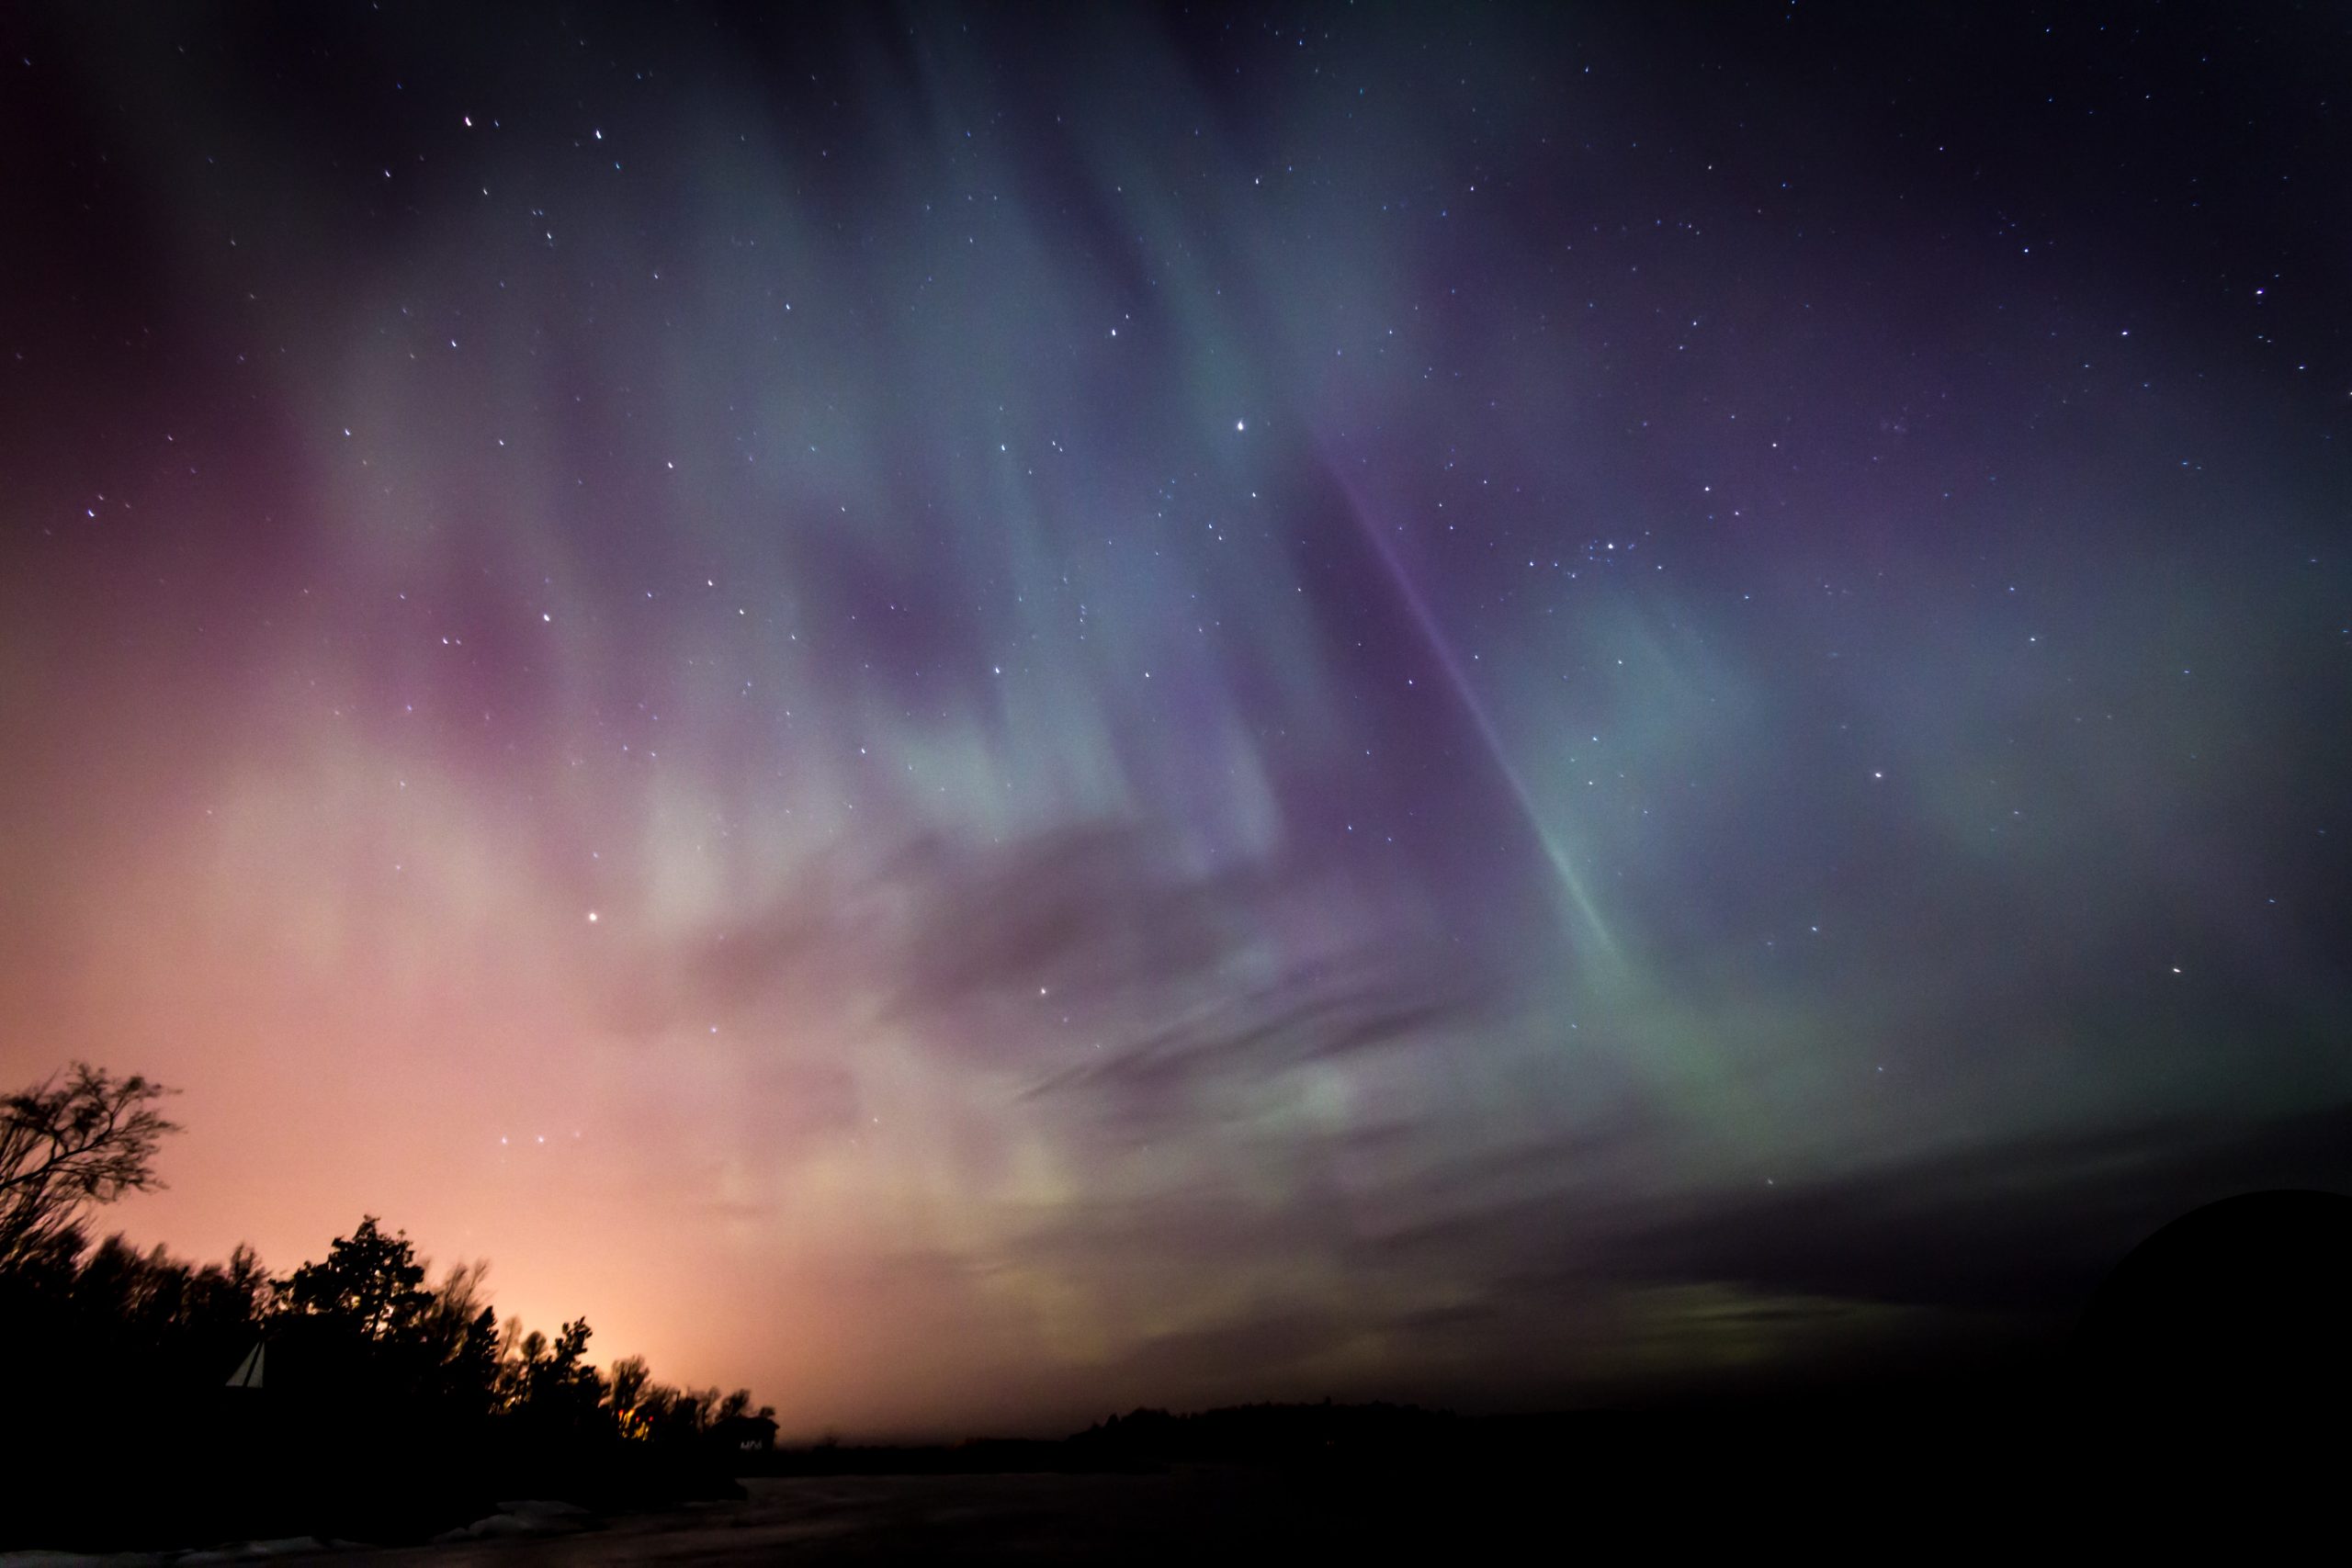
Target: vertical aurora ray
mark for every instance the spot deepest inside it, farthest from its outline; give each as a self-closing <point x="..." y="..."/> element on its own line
<point x="1580" y="916"/>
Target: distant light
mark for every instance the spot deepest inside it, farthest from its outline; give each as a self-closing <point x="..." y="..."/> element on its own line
<point x="1239" y="425"/>
<point x="592" y="917"/>
<point x="545" y="616"/>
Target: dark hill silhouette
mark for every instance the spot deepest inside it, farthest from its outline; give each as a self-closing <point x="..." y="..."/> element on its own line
<point x="2243" y="1303"/>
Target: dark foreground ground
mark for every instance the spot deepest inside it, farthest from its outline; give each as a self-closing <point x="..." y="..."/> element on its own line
<point x="1632" y="1485"/>
<point x="1188" y="1513"/>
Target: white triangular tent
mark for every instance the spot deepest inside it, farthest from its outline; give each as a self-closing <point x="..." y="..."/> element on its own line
<point x="248" y="1372"/>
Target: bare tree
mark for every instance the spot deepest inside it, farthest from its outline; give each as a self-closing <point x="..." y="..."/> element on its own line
<point x="80" y="1137"/>
<point x="628" y="1380"/>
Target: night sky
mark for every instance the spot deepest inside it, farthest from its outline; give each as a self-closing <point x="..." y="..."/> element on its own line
<point x="983" y="715"/>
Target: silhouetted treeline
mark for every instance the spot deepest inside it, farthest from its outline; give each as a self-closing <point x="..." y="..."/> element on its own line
<point x="177" y="1404"/>
<point x="1325" y="1436"/>
<point x="166" y="1403"/>
<point x="1260" y="1433"/>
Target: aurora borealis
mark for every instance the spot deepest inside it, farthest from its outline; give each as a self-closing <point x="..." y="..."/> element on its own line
<point x="983" y="715"/>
